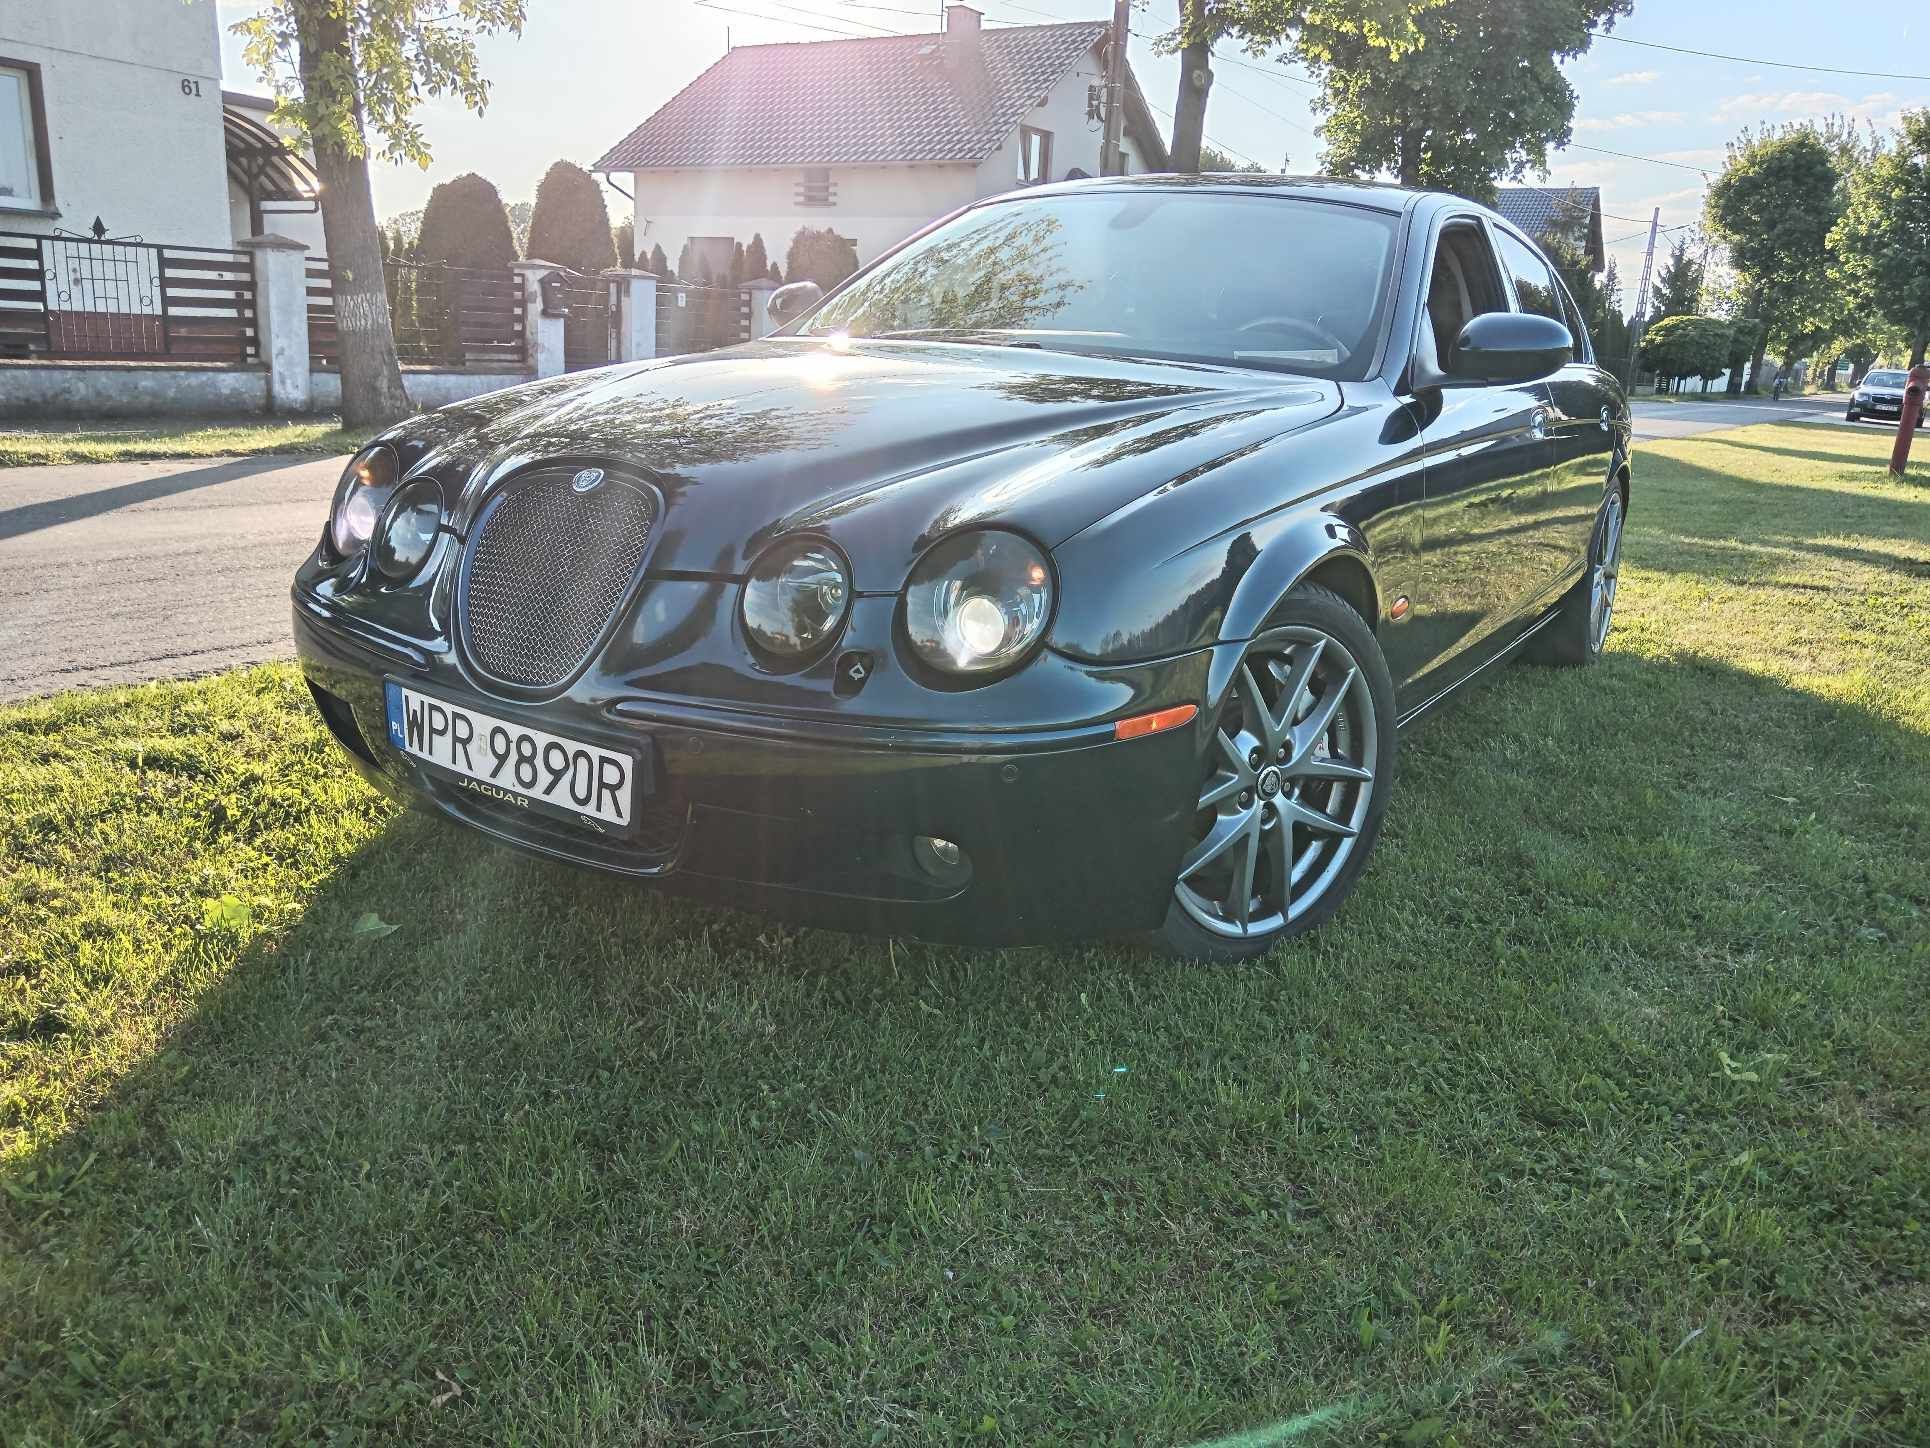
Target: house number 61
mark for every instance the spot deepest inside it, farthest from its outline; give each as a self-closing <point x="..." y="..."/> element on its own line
<point x="190" y="87"/>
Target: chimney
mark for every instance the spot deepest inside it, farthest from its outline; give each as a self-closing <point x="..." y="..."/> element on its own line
<point x="961" y="20"/>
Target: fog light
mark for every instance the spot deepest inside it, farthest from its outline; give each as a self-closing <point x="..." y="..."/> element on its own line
<point x="941" y="859"/>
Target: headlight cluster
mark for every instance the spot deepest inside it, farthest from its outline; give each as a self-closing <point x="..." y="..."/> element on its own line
<point x="976" y="604"/>
<point x="370" y="509"/>
<point x="796" y="598"/>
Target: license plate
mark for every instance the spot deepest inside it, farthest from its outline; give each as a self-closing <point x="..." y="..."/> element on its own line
<point x="513" y="764"/>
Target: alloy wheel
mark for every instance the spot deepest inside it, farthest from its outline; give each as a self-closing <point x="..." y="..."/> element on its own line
<point x="1289" y="785"/>
<point x="1606" y="571"/>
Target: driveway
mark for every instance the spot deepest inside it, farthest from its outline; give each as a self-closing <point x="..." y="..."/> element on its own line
<point x="113" y="573"/>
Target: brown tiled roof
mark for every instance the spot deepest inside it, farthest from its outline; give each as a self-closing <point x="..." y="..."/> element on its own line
<point x="897" y="98"/>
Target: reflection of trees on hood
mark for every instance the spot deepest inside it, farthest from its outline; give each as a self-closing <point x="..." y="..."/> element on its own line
<point x="1005" y="274"/>
<point x="669" y="434"/>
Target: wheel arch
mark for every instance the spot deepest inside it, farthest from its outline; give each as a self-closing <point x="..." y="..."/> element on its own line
<point x="1330" y="552"/>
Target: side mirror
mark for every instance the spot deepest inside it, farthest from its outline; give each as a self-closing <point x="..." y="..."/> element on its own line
<point x="1510" y="347"/>
<point x="793" y="300"/>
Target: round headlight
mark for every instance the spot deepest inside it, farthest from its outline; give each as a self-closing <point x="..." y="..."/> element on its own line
<point x="796" y="598"/>
<point x="360" y="498"/>
<point x="978" y="602"/>
<point x="408" y="530"/>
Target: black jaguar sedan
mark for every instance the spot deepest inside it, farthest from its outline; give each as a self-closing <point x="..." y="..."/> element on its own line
<point x="1069" y="570"/>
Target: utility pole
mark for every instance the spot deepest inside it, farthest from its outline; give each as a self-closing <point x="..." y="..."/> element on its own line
<point x="1109" y="162"/>
<point x="1642" y="297"/>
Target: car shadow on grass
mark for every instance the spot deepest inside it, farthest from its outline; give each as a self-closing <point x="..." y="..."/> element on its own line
<point x="486" y="1147"/>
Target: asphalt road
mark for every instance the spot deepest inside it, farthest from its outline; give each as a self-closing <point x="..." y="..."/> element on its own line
<point x="113" y="573"/>
<point x="1688" y="419"/>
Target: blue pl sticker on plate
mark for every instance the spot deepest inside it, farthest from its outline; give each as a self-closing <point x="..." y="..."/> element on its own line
<point x="392" y="701"/>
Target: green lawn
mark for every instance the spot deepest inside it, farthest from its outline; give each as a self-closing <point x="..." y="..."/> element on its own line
<point x="133" y="441"/>
<point x="1601" y="1115"/>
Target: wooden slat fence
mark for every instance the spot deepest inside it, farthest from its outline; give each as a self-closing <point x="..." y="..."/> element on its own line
<point x="442" y="316"/>
<point x="76" y="298"/>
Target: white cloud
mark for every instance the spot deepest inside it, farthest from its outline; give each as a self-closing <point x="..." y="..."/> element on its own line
<point x="1635" y="77"/>
<point x="1631" y="121"/>
<point x="1882" y="107"/>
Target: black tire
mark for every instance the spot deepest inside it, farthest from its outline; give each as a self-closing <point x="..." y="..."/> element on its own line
<point x="1576" y="637"/>
<point x="1321" y="682"/>
<point x="1851" y="415"/>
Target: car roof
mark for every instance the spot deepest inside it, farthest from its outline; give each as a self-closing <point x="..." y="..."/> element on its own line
<point x="1375" y="195"/>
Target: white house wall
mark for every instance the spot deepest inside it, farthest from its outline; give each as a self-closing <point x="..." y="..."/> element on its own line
<point x="1076" y="141"/>
<point x="877" y="206"/>
<point x="126" y="142"/>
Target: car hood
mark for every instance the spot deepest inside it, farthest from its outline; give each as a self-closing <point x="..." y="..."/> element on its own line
<point x="881" y="446"/>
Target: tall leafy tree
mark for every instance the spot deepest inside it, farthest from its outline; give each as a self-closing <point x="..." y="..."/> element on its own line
<point x="1480" y="98"/>
<point x="569" y="224"/>
<point x="1678" y="289"/>
<point x="821" y="256"/>
<point x="625" y="238"/>
<point x="1262" y="25"/>
<point x="1882" y="240"/>
<point x="1778" y="197"/>
<point x="660" y="264"/>
<point x="348" y="79"/>
<point x="466" y="224"/>
<point x="757" y="261"/>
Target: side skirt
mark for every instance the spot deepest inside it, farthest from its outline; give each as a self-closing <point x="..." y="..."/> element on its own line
<point x="1499" y="657"/>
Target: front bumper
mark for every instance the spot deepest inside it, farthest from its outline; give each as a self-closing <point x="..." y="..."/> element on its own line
<point x="1067" y="833"/>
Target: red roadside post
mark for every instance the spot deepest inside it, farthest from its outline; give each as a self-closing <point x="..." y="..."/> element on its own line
<point x="1906" y="425"/>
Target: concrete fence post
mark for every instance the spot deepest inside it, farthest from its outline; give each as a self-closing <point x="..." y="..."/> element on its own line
<point x="281" y="319"/>
<point x="636" y="314"/>
<point x="761" y="323"/>
<point x="543" y="335"/>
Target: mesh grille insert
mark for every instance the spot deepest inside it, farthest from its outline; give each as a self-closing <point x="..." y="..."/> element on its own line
<point x="548" y="568"/>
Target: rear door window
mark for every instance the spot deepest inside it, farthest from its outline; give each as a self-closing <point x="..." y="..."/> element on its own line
<point x="1535" y="286"/>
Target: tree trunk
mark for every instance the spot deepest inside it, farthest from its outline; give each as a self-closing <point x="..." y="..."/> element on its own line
<point x="1916" y="351"/>
<point x="1755" y="367"/>
<point x="1410" y="168"/>
<point x="1857" y="369"/>
<point x="1195" y="80"/>
<point x="372" y="394"/>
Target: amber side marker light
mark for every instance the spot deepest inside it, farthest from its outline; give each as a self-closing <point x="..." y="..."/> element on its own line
<point x="1158" y="722"/>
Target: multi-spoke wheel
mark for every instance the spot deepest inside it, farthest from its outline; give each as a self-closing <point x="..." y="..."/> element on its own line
<point x="1604" y="569"/>
<point x="1293" y="784"/>
<point x="1579" y="631"/>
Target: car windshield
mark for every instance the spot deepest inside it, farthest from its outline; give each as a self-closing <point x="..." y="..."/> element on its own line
<point x="1884" y="379"/>
<point x="1254" y="281"/>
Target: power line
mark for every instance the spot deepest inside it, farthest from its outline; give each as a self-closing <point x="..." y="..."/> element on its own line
<point x="778" y="19"/>
<point x="1262" y="105"/>
<point x="1701" y="171"/>
<point x="1749" y="60"/>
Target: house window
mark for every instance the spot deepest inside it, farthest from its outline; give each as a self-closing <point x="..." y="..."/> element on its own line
<point x="1035" y="155"/>
<point x="816" y="188"/>
<point x="25" y="179"/>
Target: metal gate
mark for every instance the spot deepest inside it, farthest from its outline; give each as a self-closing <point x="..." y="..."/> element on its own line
<point x="700" y="319"/>
<point x="590" y="324"/>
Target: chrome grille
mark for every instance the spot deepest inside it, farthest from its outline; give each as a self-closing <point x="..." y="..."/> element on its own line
<point x="547" y="568"/>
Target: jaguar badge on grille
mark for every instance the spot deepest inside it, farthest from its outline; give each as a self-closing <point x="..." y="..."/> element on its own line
<point x="584" y="481"/>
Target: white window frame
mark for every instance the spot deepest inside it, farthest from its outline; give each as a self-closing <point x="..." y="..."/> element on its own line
<point x="33" y="128"/>
<point x="1028" y="176"/>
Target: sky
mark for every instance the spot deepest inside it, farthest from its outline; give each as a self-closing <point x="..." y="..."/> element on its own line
<point x="584" y="72"/>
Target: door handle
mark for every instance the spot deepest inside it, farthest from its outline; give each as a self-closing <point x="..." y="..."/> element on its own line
<point x="1538" y="425"/>
<point x="1607" y="425"/>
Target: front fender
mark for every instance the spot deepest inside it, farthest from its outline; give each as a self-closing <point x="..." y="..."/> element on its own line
<point x="1135" y="586"/>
